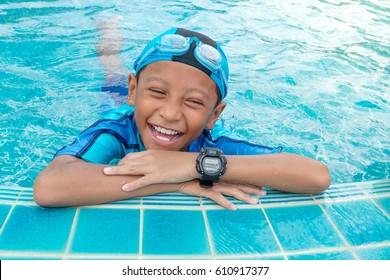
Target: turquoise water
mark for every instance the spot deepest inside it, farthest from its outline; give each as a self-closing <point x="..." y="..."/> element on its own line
<point x="313" y="76"/>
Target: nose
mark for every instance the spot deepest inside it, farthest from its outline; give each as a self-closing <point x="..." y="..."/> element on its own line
<point x="171" y="111"/>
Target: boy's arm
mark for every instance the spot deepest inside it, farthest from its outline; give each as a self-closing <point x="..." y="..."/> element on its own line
<point x="283" y="171"/>
<point x="69" y="181"/>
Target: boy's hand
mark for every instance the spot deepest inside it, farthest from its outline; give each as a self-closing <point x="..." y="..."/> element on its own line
<point x="158" y="167"/>
<point x="217" y="192"/>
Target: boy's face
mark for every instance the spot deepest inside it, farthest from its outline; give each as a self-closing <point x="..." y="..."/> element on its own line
<point x="173" y="102"/>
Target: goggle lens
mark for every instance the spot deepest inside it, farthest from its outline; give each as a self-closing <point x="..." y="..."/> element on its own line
<point x="210" y="56"/>
<point x="178" y="44"/>
<point x="173" y="43"/>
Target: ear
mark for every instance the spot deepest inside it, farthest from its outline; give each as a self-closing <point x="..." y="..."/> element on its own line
<point x="215" y="115"/>
<point x="132" y="89"/>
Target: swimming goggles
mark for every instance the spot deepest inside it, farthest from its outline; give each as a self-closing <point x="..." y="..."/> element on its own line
<point x="170" y="46"/>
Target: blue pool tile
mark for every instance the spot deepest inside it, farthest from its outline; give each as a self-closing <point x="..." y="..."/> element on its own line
<point x="274" y="196"/>
<point x="209" y="202"/>
<point x="341" y="191"/>
<point x="9" y="194"/>
<point x="268" y="258"/>
<point x="379" y="187"/>
<point x="129" y="201"/>
<point x="361" y="222"/>
<point x="107" y="231"/>
<point x="384" y="203"/>
<point x="26" y="196"/>
<point x="171" y="199"/>
<point x="240" y="232"/>
<point x="4" y="210"/>
<point x="303" y="227"/>
<point x="180" y="232"/>
<point x="374" y="253"/>
<point x="339" y="255"/>
<point x="32" y="228"/>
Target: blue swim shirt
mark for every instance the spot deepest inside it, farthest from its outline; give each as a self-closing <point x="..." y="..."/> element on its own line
<point x="109" y="140"/>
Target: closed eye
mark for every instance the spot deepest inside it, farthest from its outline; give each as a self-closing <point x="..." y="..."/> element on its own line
<point x="157" y="92"/>
<point x="196" y="103"/>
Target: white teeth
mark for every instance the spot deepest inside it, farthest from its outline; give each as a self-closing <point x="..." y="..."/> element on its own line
<point x="165" y="131"/>
<point x="162" y="138"/>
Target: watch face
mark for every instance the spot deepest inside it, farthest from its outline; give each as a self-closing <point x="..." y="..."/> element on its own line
<point x="211" y="165"/>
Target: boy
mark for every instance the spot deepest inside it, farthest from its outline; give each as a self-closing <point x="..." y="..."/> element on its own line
<point x="177" y="91"/>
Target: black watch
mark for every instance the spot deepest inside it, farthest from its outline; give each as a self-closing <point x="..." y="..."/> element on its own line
<point x="211" y="165"/>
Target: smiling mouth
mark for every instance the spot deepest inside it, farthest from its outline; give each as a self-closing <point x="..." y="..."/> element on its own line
<point x="164" y="135"/>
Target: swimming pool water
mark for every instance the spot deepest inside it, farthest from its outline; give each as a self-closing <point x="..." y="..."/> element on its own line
<point x="313" y="76"/>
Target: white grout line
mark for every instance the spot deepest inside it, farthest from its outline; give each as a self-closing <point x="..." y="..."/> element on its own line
<point x="141" y="230"/>
<point x="208" y="232"/>
<point x="339" y="233"/>
<point x="319" y="251"/>
<point x="7" y="219"/>
<point x="24" y="203"/>
<point x="13" y="204"/>
<point x="274" y="234"/>
<point x="373" y="245"/>
<point x="72" y="231"/>
<point x="188" y="257"/>
<point x="380" y="208"/>
<point x="371" y="198"/>
<point x="27" y="254"/>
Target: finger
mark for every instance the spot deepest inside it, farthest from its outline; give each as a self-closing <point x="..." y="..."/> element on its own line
<point x="252" y="190"/>
<point x="139" y="183"/>
<point x="218" y="198"/>
<point x="247" y="188"/>
<point x="237" y="193"/>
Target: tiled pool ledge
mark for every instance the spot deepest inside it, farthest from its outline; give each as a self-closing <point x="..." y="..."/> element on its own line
<point x="349" y="221"/>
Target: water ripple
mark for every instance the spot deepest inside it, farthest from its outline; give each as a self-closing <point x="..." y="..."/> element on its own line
<point x="312" y="76"/>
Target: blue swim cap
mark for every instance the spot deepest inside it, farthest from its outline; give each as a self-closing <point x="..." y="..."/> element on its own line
<point x="189" y="47"/>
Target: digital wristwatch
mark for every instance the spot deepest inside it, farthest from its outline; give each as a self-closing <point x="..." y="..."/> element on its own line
<point x="211" y="165"/>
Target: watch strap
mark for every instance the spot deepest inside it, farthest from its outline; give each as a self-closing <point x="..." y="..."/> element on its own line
<point x="206" y="183"/>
